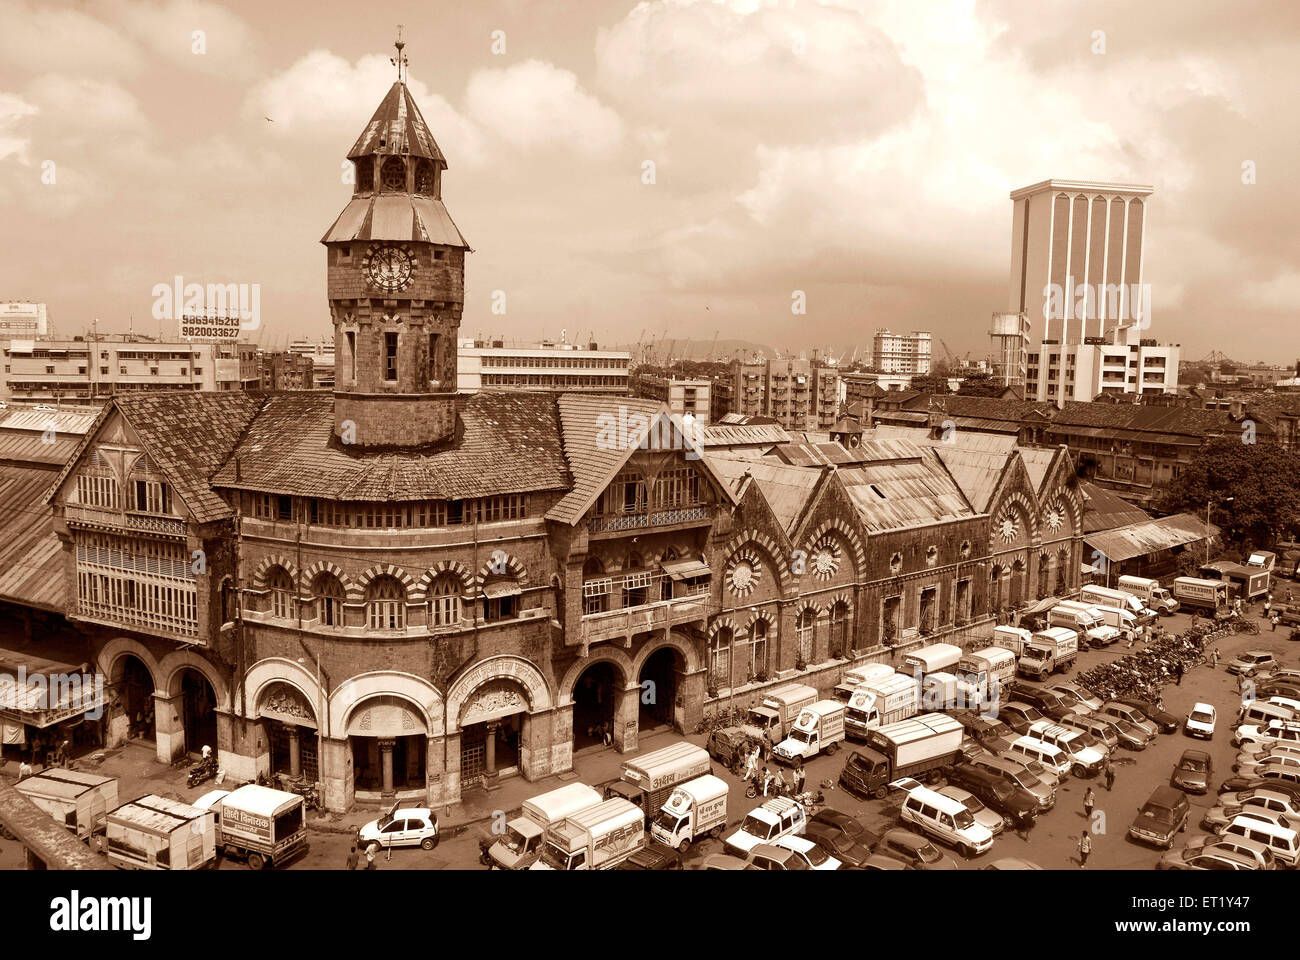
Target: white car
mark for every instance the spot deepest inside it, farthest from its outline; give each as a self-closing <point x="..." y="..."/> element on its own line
<point x="404" y="827"/>
<point x="1262" y="749"/>
<point x="45" y="408"/>
<point x="809" y="852"/>
<point x="1251" y="766"/>
<point x="1275" y="732"/>
<point x="776" y="818"/>
<point x="1200" y="722"/>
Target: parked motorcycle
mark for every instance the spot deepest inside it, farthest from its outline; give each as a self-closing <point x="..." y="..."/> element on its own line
<point x="203" y="772"/>
<point x="484" y="856"/>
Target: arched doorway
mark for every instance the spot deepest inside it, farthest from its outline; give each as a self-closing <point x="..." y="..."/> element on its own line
<point x="493" y="728"/>
<point x="660" y="671"/>
<point x="1017" y="583"/>
<point x="995" y="590"/>
<point x="290" y="725"/>
<point x="135" y="687"/>
<point x="594" y="697"/>
<point x="199" y="701"/>
<point x="389" y="741"/>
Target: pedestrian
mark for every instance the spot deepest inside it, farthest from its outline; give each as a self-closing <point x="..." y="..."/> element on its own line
<point x="1178" y="675"/>
<point x="24" y="770"/>
<point x="370" y="859"/>
<point x="1236" y="606"/>
<point x="1110" y="776"/>
<point x="1085" y="848"/>
<point x="799" y="776"/>
<point x="1276" y="620"/>
<point x="1288" y="596"/>
<point x="353" y="857"/>
<point x="1089" y="801"/>
<point x="767" y="779"/>
<point x="751" y="764"/>
<point x="607" y="734"/>
<point x="1022" y="827"/>
<point x="1214" y="657"/>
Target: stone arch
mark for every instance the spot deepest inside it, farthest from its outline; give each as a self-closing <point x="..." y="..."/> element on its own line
<point x="773" y="622"/>
<point x="270" y="561"/>
<point x="513" y="567"/>
<point x="178" y="661"/>
<point x="1026" y="513"/>
<point x="120" y="647"/>
<point x="719" y="624"/>
<point x="355" y="691"/>
<point x="502" y="667"/>
<point x="310" y="574"/>
<point x="842" y="596"/>
<point x="453" y="567"/>
<point x="564" y="695"/>
<point x="280" y="670"/>
<point x="681" y="644"/>
<point x="357" y="591"/>
<point x="837" y="527"/>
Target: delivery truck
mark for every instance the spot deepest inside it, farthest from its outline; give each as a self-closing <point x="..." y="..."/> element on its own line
<point x="695" y="809"/>
<point x="989" y="669"/>
<point x="1014" y="639"/>
<point x="878" y="702"/>
<point x="1106" y="597"/>
<point x="1249" y="583"/>
<point x="647" y="780"/>
<point x="597" y="839"/>
<point x="856" y="676"/>
<point x="1049" y="651"/>
<point x="931" y="659"/>
<point x="819" y="728"/>
<point x="156" y="833"/>
<point x="947" y="691"/>
<point x="1085" y="620"/>
<point x="1150" y="592"/>
<point x="80" y="801"/>
<point x="771" y="718"/>
<point x="259" y="825"/>
<point x="923" y="746"/>
<point x="1207" y="595"/>
<point x="520" y="846"/>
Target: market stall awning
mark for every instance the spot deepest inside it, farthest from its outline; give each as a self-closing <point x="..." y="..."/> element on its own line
<point x="1149" y="536"/>
<point x="686" y="569"/>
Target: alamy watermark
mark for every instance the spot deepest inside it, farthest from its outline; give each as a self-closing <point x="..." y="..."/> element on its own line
<point x="1099" y="301"/>
<point x="55" y="692"/>
<point x="628" y="430"/>
<point x="209" y="311"/>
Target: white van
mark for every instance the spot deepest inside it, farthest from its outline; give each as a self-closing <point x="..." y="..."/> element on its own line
<point x="1129" y="626"/>
<point x="1083" y="619"/>
<point x="1106" y="597"/>
<point x="855" y="677"/>
<point x="947" y="820"/>
<point x="1261" y="713"/>
<point x="1284" y="843"/>
<point x="1150" y="592"/>
<point x="1053" y="758"/>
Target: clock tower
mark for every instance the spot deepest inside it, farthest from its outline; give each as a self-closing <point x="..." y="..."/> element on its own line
<point x="396" y="285"/>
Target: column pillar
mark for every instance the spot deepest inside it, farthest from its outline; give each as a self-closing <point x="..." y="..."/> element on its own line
<point x="627" y="709"/>
<point x="490" y="748"/>
<point x="169" y="725"/>
<point x="386" y="763"/>
<point x="337" y="775"/>
<point x="295" y="751"/>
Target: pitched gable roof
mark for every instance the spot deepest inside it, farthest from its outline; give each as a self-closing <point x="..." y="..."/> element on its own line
<point x="397" y="126"/>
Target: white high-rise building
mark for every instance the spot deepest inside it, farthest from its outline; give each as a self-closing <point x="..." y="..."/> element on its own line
<point x="23" y="320"/>
<point x="906" y="353"/>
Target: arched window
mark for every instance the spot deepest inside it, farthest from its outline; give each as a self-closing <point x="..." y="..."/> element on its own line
<point x="720" y="658"/>
<point x="758" y="648"/>
<point x="365" y="174"/>
<point x="328" y="592"/>
<point x="393" y="174"/>
<point x="283" y="604"/>
<point x="444" y="601"/>
<point x="596" y="587"/>
<point x="839" y="629"/>
<point x="805" y="631"/>
<point x="227" y="601"/>
<point x="425" y="178"/>
<point x="385" y="604"/>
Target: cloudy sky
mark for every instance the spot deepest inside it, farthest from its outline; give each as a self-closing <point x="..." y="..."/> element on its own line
<point x="860" y="151"/>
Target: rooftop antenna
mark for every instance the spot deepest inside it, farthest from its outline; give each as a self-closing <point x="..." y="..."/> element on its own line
<point x="399" y="61"/>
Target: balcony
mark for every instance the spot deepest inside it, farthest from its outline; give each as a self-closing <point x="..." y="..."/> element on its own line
<point x="123" y="520"/>
<point x="626" y="623"/>
<point x="618" y="523"/>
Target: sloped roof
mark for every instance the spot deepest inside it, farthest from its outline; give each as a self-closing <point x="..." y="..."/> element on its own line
<point x="904" y="493"/>
<point x="31" y="558"/>
<point x="988" y="408"/>
<point x="787" y="489"/>
<point x="398" y="217"/>
<point x="733" y="434"/>
<point x="987" y="442"/>
<point x="398" y="123"/>
<point x="1187" y="421"/>
<point x="1038" y="460"/>
<point x="1104" y="510"/>
<point x="976" y="472"/>
<point x="593" y="463"/>
<point x="1148" y="536"/>
<point x="509" y="443"/>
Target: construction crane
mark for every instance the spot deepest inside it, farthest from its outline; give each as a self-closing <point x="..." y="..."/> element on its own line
<point x="713" y="347"/>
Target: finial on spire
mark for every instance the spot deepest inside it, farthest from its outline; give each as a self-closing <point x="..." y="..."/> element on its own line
<point x="399" y="61"/>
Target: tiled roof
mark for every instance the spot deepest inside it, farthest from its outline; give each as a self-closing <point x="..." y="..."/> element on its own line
<point x="31" y="558"/>
<point x="510" y="443"/>
<point x="398" y="123"/>
<point x="593" y="462"/>
<point x="987" y="408"/>
<point x="1128" y="416"/>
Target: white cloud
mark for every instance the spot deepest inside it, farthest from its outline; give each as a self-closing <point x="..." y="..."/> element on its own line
<point x="82" y="106"/>
<point x="168" y="30"/>
<point x="534" y="104"/>
<point x="13" y="110"/>
<point x="37" y="38"/>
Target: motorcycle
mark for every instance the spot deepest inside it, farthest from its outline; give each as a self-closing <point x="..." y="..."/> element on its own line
<point x="205" y="771"/>
<point x="484" y="854"/>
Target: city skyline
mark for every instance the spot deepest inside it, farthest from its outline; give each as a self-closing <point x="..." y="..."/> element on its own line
<point x="884" y="211"/>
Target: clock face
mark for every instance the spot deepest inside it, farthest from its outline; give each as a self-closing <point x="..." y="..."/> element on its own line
<point x="389" y="268"/>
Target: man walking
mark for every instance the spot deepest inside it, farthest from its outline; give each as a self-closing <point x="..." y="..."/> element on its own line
<point x="1085" y="848"/>
<point x="1110" y="775"/>
<point x="799" y="776"/>
<point x="1089" y="801"/>
<point x="353" y="858"/>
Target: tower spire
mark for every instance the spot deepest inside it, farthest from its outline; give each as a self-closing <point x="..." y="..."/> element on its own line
<point x="399" y="61"/>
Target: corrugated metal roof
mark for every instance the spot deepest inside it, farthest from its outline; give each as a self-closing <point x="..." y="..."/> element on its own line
<point x="396" y="217"/>
<point x="1104" y="510"/>
<point x="786" y="488"/>
<point x="397" y="126"/>
<point x="38" y="421"/>
<point x="977" y="473"/>
<point x="25" y="447"/>
<point x="732" y="434"/>
<point x="31" y="559"/>
<point x="1149" y="536"/>
<point x="895" y="495"/>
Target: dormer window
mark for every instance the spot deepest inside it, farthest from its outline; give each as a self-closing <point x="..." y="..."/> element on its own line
<point x="393" y="174"/>
<point x="425" y="178"/>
